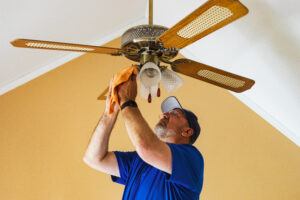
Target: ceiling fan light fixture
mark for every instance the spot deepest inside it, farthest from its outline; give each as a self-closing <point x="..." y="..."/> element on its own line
<point x="170" y="80"/>
<point x="149" y="77"/>
<point x="222" y="79"/>
<point x="151" y="44"/>
<point x="55" y="46"/>
<point x="208" y="19"/>
<point x="150" y="74"/>
<point x="145" y="91"/>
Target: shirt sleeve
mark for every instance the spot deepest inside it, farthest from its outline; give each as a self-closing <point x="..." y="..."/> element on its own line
<point x="125" y="160"/>
<point x="187" y="166"/>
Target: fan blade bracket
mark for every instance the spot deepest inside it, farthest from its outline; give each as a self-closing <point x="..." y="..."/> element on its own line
<point x="209" y="17"/>
<point x="179" y="61"/>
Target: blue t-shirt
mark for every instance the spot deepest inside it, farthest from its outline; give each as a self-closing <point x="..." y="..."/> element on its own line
<point x="143" y="181"/>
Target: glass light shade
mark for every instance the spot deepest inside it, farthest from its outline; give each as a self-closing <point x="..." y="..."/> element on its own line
<point x="150" y="74"/>
<point x="149" y="77"/>
<point x="170" y="80"/>
<point x="145" y="91"/>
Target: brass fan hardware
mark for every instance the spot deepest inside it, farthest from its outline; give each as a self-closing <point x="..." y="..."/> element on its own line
<point x="150" y="44"/>
<point x="150" y="12"/>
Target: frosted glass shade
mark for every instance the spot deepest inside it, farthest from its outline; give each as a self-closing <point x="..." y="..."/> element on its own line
<point x="170" y="80"/>
<point x="150" y="74"/>
<point x="145" y="91"/>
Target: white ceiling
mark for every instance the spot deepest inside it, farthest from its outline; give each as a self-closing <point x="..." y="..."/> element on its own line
<point x="264" y="45"/>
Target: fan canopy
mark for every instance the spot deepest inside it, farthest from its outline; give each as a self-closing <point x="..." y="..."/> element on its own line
<point x="140" y="40"/>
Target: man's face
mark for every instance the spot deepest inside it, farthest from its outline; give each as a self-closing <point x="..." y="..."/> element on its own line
<point x="171" y="124"/>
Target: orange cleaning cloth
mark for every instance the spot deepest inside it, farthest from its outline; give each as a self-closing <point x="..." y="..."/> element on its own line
<point x="120" y="78"/>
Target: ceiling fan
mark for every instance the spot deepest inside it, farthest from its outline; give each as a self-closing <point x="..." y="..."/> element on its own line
<point x="152" y="44"/>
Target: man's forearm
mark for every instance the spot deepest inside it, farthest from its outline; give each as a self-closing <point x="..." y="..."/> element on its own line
<point x="98" y="146"/>
<point x="138" y="129"/>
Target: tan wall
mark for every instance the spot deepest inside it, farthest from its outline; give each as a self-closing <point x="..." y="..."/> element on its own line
<point x="45" y="126"/>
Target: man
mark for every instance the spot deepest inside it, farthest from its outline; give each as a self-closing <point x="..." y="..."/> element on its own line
<point x="165" y="165"/>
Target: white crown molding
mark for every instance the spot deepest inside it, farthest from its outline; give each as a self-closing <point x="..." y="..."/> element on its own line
<point x="70" y="56"/>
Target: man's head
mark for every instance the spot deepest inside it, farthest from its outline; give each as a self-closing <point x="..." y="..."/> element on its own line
<point x="177" y="122"/>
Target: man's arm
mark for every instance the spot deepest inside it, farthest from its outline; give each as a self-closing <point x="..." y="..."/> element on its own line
<point x="148" y="146"/>
<point x="97" y="155"/>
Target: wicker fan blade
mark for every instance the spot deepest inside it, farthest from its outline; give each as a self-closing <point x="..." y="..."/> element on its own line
<point x="212" y="75"/>
<point x="211" y="16"/>
<point x="39" y="44"/>
<point x="103" y="95"/>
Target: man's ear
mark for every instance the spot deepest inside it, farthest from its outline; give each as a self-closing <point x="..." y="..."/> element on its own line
<point x="187" y="132"/>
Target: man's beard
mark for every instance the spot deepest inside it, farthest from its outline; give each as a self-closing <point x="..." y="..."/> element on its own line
<point x="160" y="129"/>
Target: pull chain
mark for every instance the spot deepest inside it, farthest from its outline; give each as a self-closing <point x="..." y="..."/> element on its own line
<point x="149" y="96"/>
<point x="158" y="90"/>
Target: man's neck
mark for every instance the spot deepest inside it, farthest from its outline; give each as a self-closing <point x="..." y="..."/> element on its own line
<point x="176" y="140"/>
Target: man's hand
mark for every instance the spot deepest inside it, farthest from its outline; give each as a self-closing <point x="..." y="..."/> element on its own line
<point x="116" y="107"/>
<point x="128" y="90"/>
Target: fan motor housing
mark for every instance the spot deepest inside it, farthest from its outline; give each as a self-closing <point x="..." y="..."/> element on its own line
<point x="141" y="40"/>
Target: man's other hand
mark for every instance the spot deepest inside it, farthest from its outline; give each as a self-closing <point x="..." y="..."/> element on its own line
<point x="128" y="90"/>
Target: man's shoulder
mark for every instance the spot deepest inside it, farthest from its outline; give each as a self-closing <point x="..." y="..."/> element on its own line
<point x="183" y="146"/>
<point x="126" y="154"/>
<point x="187" y="158"/>
<point x="188" y="149"/>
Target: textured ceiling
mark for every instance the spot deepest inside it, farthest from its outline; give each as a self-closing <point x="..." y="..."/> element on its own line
<point x="263" y="46"/>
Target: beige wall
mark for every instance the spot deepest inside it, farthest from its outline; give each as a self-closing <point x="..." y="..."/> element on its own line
<point x="45" y="126"/>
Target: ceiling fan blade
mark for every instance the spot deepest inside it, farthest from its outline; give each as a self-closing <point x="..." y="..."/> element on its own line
<point x="40" y="44"/>
<point x="211" y="16"/>
<point x="103" y="95"/>
<point x="212" y="75"/>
